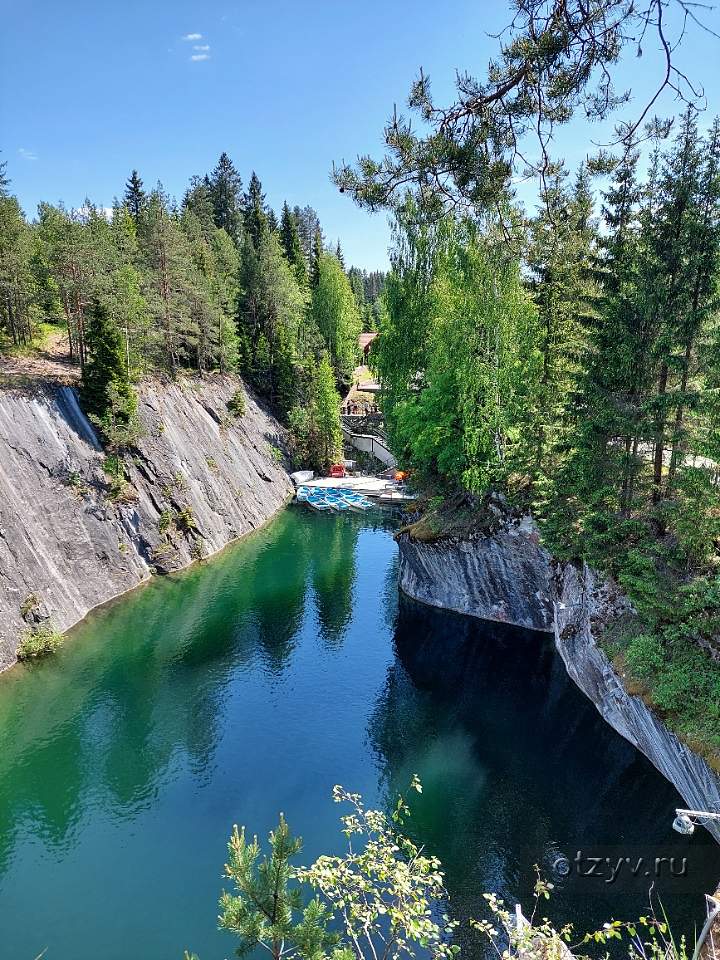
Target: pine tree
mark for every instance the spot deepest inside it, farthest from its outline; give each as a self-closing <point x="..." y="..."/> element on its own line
<point x="172" y="289"/>
<point x="198" y="200"/>
<point x="71" y="268"/>
<point x="317" y="255"/>
<point x="702" y="302"/>
<point x="339" y="255"/>
<point x="225" y="190"/>
<point x="4" y="179"/>
<point x="673" y="240"/>
<point x="265" y="908"/>
<point x="308" y="223"/>
<point x="135" y="198"/>
<point x="358" y="286"/>
<point x="272" y="308"/>
<point x="256" y="221"/>
<point x="105" y="363"/>
<point x="290" y="239"/>
<point x="561" y="256"/>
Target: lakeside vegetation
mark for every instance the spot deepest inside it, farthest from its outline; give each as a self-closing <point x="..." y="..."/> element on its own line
<point x="216" y="283"/>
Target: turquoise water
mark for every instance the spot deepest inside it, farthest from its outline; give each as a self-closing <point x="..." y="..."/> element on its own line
<point x="253" y="683"/>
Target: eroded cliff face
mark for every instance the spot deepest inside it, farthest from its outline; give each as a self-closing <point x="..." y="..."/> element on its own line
<point x="584" y="604"/>
<point x="508" y="577"/>
<point x="505" y="577"/>
<point x="201" y="478"/>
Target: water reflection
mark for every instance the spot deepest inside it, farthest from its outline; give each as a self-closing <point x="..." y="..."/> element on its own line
<point x="333" y="575"/>
<point x="518" y="766"/>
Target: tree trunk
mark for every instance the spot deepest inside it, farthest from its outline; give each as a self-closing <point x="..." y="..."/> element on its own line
<point x="678" y="444"/>
<point x="660" y="419"/>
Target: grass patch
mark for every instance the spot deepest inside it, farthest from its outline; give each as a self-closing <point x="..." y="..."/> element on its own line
<point x="39" y="642"/>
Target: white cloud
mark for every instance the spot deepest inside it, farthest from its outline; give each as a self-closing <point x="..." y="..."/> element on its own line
<point x="192" y="36"/>
<point x="201" y="46"/>
<point x="200" y="56"/>
<point x="27" y="154"/>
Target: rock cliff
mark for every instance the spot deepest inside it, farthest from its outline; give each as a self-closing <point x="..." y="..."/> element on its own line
<point x="508" y="577"/>
<point x="584" y="603"/>
<point x="198" y="479"/>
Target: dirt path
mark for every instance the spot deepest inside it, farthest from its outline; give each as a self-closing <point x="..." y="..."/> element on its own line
<point x="49" y="363"/>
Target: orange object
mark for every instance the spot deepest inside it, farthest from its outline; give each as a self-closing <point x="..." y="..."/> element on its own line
<point x="337" y="470"/>
<point x="400" y="474"/>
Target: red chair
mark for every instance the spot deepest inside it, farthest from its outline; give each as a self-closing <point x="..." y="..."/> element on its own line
<point x="337" y="471"/>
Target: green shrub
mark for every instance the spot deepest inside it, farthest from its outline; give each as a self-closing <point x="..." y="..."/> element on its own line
<point x="120" y="491"/>
<point x="39" y="642"/>
<point x="30" y="603"/>
<point x="165" y="521"/>
<point x="237" y="403"/>
<point x="185" y="519"/>
<point x="275" y="453"/>
<point x="644" y="655"/>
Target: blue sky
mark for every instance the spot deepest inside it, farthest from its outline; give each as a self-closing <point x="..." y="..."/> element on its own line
<point x="89" y="90"/>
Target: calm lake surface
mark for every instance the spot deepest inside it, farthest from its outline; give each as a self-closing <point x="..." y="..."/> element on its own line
<point x="253" y="683"/>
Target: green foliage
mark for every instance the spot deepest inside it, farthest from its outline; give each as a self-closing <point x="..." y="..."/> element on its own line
<point x="384" y="887"/>
<point x="644" y="655"/>
<point x="335" y="312"/>
<point x="39" y="641"/>
<point x="677" y="660"/>
<point x="266" y="907"/>
<point x="290" y="239"/>
<point x="649" y="938"/>
<point x="105" y="366"/>
<point x="237" y="403"/>
<point x="376" y="899"/>
<point x="19" y="313"/>
<point x="255" y="212"/>
<point x="224" y="193"/>
<point x="135" y="197"/>
<point x="315" y="423"/>
<point x="165" y="521"/>
<point x="458" y="359"/>
<point x="185" y="519"/>
<point x="595" y="404"/>
<point x="274" y="323"/>
<point x="553" y="62"/>
<point x="119" y="425"/>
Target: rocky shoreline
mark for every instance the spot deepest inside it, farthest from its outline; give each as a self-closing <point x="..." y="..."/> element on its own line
<point x="508" y="577"/>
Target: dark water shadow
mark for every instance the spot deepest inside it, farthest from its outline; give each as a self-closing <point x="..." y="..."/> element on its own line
<point x="519" y="769"/>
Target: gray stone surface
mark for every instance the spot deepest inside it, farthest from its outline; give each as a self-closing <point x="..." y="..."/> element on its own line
<point x="64" y="543"/>
<point x="505" y="577"/>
